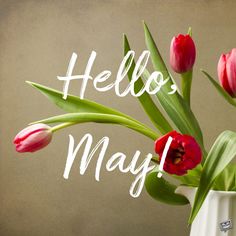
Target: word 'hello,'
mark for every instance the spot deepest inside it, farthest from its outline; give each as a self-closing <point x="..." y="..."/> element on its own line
<point x="155" y="79"/>
<point x="115" y="161"/>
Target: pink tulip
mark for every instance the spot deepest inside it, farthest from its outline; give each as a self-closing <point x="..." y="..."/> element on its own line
<point x="182" y="53"/>
<point x="227" y="72"/>
<point x="33" y="138"/>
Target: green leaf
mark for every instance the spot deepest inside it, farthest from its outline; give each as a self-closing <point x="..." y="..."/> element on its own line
<point x="226" y="180"/>
<point x="74" y="103"/>
<point x="174" y="105"/>
<point x="192" y="178"/>
<point x="90" y="109"/>
<point x="145" y="99"/>
<point x="163" y="191"/>
<point x="75" y="118"/>
<point x="234" y="189"/>
<point x="221" y="91"/>
<point x="172" y="109"/>
<point x="222" y="152"/>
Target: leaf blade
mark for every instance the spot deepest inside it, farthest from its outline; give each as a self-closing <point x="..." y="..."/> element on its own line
<point x="226" y="180"/>
<point x="73" y="103"/>
<point x="174" y="105"/>
<point x="225" y="148"/>
<point x="221" y="91"/>
<point x="145" y="99"/>
<point x="163" y="191"/>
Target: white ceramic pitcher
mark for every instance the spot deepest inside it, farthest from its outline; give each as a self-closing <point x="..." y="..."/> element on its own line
<point x="217" y="216"/>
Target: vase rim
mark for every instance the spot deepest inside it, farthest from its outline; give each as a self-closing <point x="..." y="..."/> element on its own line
<point x="215" y="191"/>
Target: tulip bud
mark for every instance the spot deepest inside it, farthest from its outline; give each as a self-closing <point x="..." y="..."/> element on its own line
<point x="33" y="138"/>
<point x="227" y="72"/>
<point x="182" y="53"/>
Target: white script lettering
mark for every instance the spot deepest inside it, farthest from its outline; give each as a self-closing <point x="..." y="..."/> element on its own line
<point x="116" y="160"/>
<point x="155" y="78"/>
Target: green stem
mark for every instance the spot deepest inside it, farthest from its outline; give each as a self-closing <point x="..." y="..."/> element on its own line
<point x="61" y="126"/>
<point x="190" y="32"/>
<point x="143" y="129"/>
<point x="75" y="118"/>
<point x="186" y="85"/>
<point x="137" y="126"/>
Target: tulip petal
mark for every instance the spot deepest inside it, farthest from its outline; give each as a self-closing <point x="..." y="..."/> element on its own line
<point x="184" y="153"/>
<point x="231" y="71"/>
<point x="23" y="134"/>
<point x="33" y="138"/>
<point x="182" y="53"/>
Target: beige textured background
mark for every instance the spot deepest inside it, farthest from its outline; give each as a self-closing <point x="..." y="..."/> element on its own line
<point x="37" y="39"/>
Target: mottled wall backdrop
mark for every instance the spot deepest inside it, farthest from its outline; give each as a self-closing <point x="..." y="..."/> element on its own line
<point x="37" y="39"/>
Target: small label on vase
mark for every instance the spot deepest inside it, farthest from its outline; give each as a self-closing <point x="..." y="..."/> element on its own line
<point x="226" y="225"/>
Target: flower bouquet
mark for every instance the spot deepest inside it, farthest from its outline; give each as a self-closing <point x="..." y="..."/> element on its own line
<point x="179" y="146"/>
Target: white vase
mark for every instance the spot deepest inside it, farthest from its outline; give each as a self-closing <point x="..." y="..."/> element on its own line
<point x="217" y="216"/>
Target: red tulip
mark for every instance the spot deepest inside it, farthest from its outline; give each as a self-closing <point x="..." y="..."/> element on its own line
<point x="33" y="138"/>
<point x="182" y="53"/>
<point x="184" y="153"/>
<point x="227" y="72"/>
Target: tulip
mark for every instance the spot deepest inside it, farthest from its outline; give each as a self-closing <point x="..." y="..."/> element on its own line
<point x="184" y="153"/>
<point x="33" y="138"/>
<point x="227" y="72"/>
<point x="182" y="53"/>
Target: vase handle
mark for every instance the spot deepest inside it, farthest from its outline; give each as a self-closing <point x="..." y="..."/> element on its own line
<point x="188" y="192"/>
